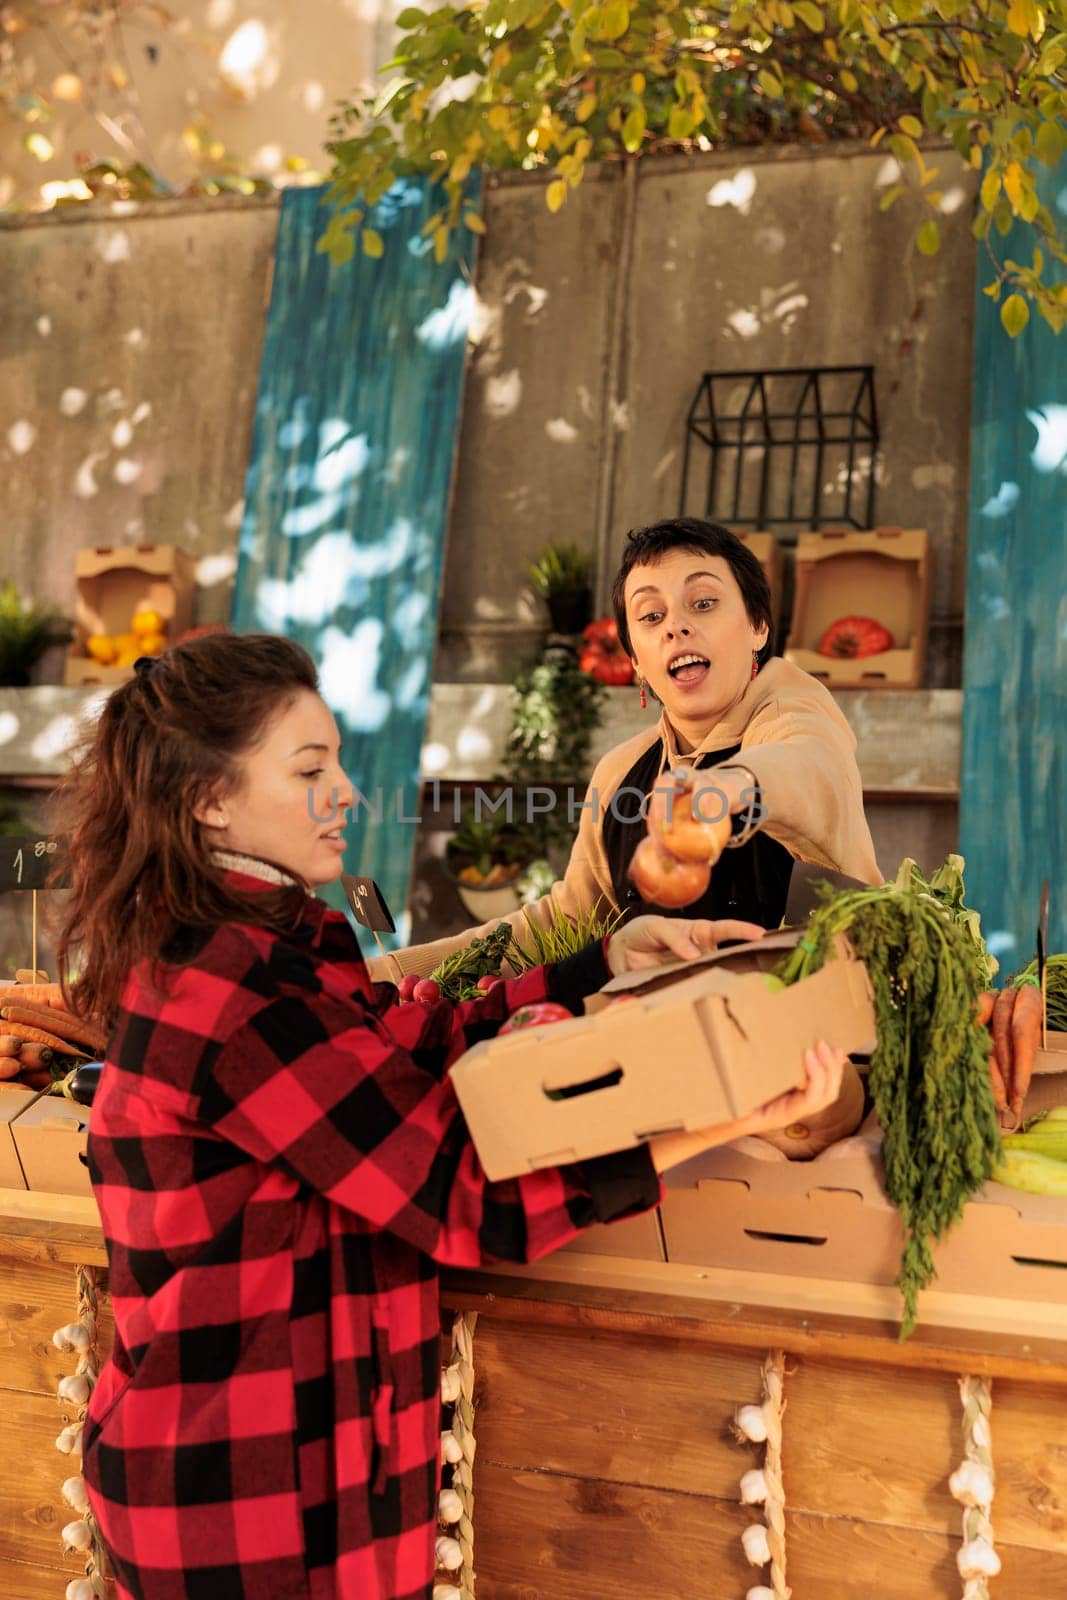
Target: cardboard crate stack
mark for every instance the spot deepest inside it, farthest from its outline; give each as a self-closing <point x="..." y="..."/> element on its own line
<point x="112" y="582"/>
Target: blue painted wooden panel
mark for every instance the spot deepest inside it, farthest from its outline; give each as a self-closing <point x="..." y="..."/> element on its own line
<point x="1012" y="823"/>
<point x="347" y="493"/>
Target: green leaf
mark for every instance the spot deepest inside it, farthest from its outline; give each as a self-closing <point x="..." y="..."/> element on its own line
<point x="474" y="222"/>
<point x="892" y="194"/>
<point x="928" y="238"/>
<point x="680" y="123"/>
<point x="556" y="194"/>
<point x="614" y="20"/>
<point x="911" y="126"/>
<point x="1050" y="143"/>
<point x="809" y="14"/>
<point x="903" y="148"/>
<point x="341" y="250"/>
<point x="993" y="290"/>
<point x="411" y="17"/>
<point x="633" y="129"/>
<point x="372" y="243"/>
<point x="1014" y="314"/>
<point x="990" y="190"/>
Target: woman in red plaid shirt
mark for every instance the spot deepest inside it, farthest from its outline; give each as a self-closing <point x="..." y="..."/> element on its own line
<point x="277" y="1153"/>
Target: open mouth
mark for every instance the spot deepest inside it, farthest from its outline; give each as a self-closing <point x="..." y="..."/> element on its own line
<point x="335" y="836"/>
<point x="689" y="668"/>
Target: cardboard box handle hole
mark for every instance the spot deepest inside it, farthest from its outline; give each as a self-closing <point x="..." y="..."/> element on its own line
<point x="784" y="1238"/>
<point x="569" y="1091"/>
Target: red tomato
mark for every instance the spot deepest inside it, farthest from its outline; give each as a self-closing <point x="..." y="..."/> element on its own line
<point x="852" y="638"/>
<point x="534" y="1016"/>
<point x="605" y="630"/>
<point x="663" y="880"/>
<point x="607" y="664"/>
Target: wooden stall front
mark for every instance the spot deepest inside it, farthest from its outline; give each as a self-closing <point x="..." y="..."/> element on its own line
<point x="604" y="1391"/>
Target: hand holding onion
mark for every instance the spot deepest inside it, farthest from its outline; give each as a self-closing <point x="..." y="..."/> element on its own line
<point x="688" y="829"/>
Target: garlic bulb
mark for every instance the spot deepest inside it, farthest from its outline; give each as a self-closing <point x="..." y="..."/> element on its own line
<point x="448" y="1554"/>
<point x="77" y="1536"/>
<point x="450" y="1385"/>
<point x="977" y="1559"/>
<point x="70" y="1438"/>
<point x="754" y="1488"/>
<point x="752" y="1423"/>
<point x="74" y="1494"/>
<point x="757" y="1546"/>
<point x="79" y="1589"/>
<point x="446" y="1591"/>
<point x="75" y="1389"/>
<point x="971" y="1484"/>
<point x="761" y="1592"/>
<point x="449" y="1506"/>
<point x="72" y="1337"/>
<point x="451" y="1449"/>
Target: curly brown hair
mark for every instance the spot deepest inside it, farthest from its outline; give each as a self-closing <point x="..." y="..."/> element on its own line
<point x="140" y="863"/>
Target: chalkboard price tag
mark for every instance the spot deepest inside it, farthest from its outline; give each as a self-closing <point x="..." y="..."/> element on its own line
<point x="368" y="903"/>
<point x="28" y="863"/>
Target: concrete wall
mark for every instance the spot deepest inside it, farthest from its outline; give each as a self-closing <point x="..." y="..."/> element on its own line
<point x="129" y="356"/>
<point x="598" y="324"/>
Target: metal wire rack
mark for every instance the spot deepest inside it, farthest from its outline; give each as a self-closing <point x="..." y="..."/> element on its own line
<point x="791" y="449"/>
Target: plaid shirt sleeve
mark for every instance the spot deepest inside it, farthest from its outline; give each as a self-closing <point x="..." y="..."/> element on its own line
<point x="358" y="1107"/>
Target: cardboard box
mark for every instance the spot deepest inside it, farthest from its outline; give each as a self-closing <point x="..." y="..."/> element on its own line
<point x="112" y="582"/>
<point x="1052" y="1057"/>
<point x="696" y="1043"/>
<point x="13" y="1102"/>
<point x="831" y="1218"/>
<point x="884" y="574"/>
<point x="635" y="1238"/>
<point x="50" y="1137"/>
<point x="767" y="549"/>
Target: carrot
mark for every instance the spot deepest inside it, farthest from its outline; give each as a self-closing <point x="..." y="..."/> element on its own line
<point x="1003" y="1006"/>
<point x="1026" y="1039"/>
<point x="36" y="1055"/>
<point x="33" y="1035"/>
<point x="984" y="1010"/>
<point x="996" y="1078"/>
<point x="78" y="1033"/>
<point x="9" y="1045"/>
<point x="10" y="1067"/>
<point x="37" y="994"/>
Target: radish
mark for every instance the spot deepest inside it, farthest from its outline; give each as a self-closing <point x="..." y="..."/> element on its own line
<point x="407" y="986"/>
<point x="426" y="991"/>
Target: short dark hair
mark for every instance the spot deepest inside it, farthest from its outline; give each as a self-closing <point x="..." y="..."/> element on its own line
<point x="646" y="546"/>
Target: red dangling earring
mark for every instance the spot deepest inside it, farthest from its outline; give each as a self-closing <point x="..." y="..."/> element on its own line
<point x="644" y="697"/>
<point x="755" y="664"/>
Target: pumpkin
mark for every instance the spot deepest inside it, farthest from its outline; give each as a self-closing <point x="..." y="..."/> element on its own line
<point x="803" y="1140"/>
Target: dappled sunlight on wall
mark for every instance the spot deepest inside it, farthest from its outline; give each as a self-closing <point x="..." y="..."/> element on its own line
<point x="347" y="493"/>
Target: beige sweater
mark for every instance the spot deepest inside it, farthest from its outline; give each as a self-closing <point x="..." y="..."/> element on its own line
<point x="801" y="749"/>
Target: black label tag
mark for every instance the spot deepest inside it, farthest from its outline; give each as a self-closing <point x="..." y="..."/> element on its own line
<point x="368" y="903"/>
<point x="29" y="863"/>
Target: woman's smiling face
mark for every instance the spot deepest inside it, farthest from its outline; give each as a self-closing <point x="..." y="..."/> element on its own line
<point x="691" y="635"/>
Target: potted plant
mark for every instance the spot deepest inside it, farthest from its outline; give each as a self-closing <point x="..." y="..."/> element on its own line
<point x="561" y="576"/>
<point x="26" y="632"/>
<point x="485" y="858"/>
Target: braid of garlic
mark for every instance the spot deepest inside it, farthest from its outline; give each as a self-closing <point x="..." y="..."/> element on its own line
<point x="973" y="1485"/>
<point x="455" y="1546"/>
<point x="82" y="1535"/>
<point x="773" y="1408"/>
<point x="764" y="1542"/>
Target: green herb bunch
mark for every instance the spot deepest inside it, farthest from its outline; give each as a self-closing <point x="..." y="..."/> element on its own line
<point x="560" y="569"/>
<point x="929" y="1074"/>
<point x="564" y="936"/>
<point x="457" y="975"/>
<point x="556" y="711"/>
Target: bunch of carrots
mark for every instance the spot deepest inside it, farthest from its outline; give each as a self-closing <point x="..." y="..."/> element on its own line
<point x="1013" y="1017"/>
<point x="38" y="1033"/>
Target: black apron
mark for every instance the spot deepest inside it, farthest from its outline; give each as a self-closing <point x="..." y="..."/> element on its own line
<point x="750" y="882"/>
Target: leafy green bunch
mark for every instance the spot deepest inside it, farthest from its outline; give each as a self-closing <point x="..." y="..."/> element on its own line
<point x="552" y="86"/>
<point x="26" y="632"/>
<point x="929" y="1074"/>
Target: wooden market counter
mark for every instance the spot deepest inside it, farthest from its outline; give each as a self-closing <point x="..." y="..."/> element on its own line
<point x="604" y="1391"/>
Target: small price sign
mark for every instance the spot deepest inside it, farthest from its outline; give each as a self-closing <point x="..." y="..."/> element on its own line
<point x="30" y="863"/>
<point x="368" y="903"/>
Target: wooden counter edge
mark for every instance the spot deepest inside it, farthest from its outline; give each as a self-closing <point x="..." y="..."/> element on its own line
<point x="734" y="1324"/>
<point x="51" y="1227"/>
